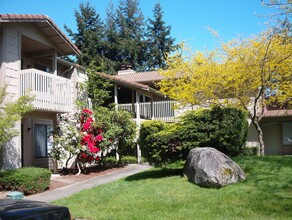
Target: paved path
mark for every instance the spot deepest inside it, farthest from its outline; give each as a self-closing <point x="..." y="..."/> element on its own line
<point x="68" y="190"/>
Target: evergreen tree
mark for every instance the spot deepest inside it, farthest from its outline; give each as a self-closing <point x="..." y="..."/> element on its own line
<point x="89" y="36"/>
<point x="131" y="28"/>
<point x="160" y="43"/>
<point x="111" y="41"/>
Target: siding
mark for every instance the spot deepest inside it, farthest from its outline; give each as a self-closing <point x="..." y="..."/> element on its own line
<point x="11" y="60"/>
<point x="10" y="63"/>
<point x="1" y="54"/>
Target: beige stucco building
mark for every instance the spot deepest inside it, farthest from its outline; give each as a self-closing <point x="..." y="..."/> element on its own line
<point x="30" y="51"/>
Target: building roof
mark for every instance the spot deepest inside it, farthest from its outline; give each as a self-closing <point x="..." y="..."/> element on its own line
<point x="278" y="113"/>
<point x="48" y="27"/>
<point x="141" y="77"/>
<point x="130" y="84"/>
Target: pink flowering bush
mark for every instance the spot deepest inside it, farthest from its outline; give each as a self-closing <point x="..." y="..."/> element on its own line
<point x="91" y="138"/>
<point x="80" y="136"/>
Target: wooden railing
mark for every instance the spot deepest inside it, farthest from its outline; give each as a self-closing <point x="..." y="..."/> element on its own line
<point x="160" y="110"/>
<point x="51" y="92"/>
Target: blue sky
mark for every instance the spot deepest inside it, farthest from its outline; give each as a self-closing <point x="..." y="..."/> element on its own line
<point x="189" y="19"/>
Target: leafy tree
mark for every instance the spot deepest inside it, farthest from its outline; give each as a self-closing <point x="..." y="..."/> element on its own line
<point x="89" y="36"/>
<point x="283" y="15"/>
<point x="118" y="127"/>
<point x="131" y="28"/>
<point x="251" y="74"/>
<point x="160" y="42"/>
<point x="99" y="88"/>
<point x="12" y="113"/>
<point x="284" y="6"/>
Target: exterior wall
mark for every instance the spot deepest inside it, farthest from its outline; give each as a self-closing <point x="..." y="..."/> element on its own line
<point x="11" y="60"/>
<point x="9" y="74"/>
<point x="28" y="122"/>
<point x="78" y="77"/>
<point x="1" y="54"/>
<point x="273" y="135"/>
<point x="252" y="135"/>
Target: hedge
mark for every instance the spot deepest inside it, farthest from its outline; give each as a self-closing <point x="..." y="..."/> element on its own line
<point x="222" y="128"/>
<point x="29" y="180"/>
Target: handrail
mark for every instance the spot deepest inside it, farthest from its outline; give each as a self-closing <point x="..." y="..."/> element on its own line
<point x="51" y="92"/>
<point x="158" y="110"/>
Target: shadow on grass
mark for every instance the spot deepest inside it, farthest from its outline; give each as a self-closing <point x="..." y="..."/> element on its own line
<point x="156" y="174"/>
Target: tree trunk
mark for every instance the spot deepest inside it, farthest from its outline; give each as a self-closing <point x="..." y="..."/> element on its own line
<point x="260" y="137"/>
<point x="55" y="166"/>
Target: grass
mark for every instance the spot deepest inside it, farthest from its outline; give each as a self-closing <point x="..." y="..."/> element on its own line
<point x="166" y="194"/>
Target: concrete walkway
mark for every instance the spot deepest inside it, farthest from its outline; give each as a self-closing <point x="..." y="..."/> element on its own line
<point x="69" y="190"/>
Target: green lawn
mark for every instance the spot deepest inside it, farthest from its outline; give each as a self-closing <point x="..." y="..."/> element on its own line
<point x="166" y="194"/>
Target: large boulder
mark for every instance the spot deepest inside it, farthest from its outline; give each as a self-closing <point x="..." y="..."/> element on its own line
<point x="209" y="167"/>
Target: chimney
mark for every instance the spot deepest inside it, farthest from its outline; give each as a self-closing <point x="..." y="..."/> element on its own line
<point x="126" y="69"/>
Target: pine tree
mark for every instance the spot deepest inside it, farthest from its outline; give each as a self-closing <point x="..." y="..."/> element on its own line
<point x="131" y="28"/>
<point x="111" y="41"/>
<point x="89" y="36"/>
<point x="160" y="42"/>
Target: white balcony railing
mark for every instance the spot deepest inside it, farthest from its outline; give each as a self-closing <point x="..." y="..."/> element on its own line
<point x="161" y="110"/>
<point x="51" y="92"/>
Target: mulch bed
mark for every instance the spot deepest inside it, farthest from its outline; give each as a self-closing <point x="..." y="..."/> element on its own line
<point x="69" y="176"/>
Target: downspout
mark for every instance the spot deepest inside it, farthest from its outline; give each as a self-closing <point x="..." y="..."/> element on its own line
<point x="66" y="71"/>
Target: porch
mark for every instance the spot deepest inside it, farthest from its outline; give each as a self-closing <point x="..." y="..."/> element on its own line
<point x="157" y="110"/>
<point x="51" y="92"/>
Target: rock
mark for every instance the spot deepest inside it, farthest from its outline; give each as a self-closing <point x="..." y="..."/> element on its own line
<point x="209" y="167"/>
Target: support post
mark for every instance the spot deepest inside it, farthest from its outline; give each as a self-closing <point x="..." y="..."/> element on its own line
<point x="138" y="121"/>
<point x="116" y="107"/>
<point x="133" y="101"/>
<point x="116" y="96"/>
<point x="152" y="109"/>
<point x="55" y="64"/>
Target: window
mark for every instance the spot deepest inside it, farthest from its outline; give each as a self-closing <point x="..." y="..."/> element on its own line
<point x="287" y="133"/>
<point x="42" y="140"/>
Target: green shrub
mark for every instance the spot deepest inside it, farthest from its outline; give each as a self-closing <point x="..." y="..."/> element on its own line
<point x="153" y="147"/>
<point x="109" y="161"/>
<point x="149" y="128"/>
<point x="128" y="160"/>
<point x="29" y="180"/>
<point x="222" y="128"/>
<point x="249" y="151"/>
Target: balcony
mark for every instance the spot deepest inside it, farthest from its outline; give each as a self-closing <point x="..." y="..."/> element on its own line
<point x="51" y="93"/>
<point x="160" y="110"/>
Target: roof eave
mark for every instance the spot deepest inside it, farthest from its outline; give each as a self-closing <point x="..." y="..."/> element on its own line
<point x="31" y="18"/>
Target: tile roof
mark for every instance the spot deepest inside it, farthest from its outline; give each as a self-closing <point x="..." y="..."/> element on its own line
<point x="125" y="82"/>
<point x="141" y="77"/>
<point x="278" y="113"/>
<point x="130" y="84"/>
<point x="47" y="26"/>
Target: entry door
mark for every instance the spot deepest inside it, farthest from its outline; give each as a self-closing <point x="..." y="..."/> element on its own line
<point x="42" y="140"/>
<point x="271" y="137"/>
